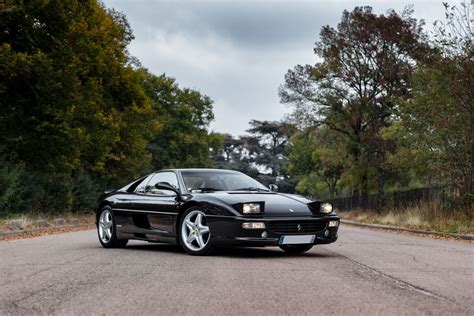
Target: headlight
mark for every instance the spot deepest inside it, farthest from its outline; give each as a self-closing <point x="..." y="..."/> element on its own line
<point x="251" y="208"/>
<point x="326" y="208"/>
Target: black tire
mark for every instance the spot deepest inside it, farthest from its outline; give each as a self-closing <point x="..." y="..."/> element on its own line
<point x="111" y="242"/>
<point x="294" y="249"/>
<point x="207" y="249"/>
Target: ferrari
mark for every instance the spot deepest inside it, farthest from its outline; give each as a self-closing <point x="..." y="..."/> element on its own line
<point x="203" y="209"/>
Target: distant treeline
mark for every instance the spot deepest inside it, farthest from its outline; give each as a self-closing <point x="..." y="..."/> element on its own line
<point x="389" y="106"/>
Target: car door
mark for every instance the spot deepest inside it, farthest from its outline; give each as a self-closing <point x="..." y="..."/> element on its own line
<point x="159" y="207"/>
<point x="124" y="208"/>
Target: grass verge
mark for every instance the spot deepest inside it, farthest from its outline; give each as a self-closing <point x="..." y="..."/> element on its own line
<point x="426" y="217"/>
<point x="29" y="220"/>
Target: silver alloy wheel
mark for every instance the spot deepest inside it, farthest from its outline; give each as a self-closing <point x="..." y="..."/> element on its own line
<point x="105" y="226"/>
<point x="194" y="231"/>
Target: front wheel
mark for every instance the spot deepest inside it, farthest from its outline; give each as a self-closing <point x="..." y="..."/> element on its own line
<point x="194" y="232"/>
<point x="296" y="248"/>
<point x="106" y="230"/>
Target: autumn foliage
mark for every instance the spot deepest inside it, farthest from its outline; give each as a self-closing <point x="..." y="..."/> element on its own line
<point x="390" y="102"/>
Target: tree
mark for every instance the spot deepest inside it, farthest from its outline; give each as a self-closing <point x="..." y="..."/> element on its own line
<point x="272" y="138"/>
<point x="229" y="145"/>
<point x="184" y="116"/>
<point x="366" y="67"/>
<point x="261" y="154"/>
<point x="440" y="116"/>
<point x="317" y="158"/>
<point x="236" y="153"/>
<point x="69" y="99"/>
<point x="268" y="152"/>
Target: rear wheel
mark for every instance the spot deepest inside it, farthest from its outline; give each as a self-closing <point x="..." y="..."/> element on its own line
<point x="296" y="248"/>
<point x="194" y="232"/>
<point x="106" y="230"/>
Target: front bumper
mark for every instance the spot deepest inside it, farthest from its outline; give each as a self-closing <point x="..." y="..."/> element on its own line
<point x="227" y="230"/>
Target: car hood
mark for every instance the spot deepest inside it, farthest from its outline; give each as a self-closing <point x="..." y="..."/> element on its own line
<point x="276" y="204"/>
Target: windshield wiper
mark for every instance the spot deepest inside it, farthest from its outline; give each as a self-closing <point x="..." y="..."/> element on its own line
<point x="252" y="189"/>
<point x="205" y="189"/>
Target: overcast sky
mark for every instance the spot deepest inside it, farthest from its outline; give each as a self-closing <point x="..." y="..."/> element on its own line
<point x="237" y="52"/>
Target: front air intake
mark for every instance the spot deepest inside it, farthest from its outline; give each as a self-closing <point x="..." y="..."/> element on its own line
<point x="297" y="227"/>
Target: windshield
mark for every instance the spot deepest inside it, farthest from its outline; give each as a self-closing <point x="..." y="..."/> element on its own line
<point x="220" y="181"/>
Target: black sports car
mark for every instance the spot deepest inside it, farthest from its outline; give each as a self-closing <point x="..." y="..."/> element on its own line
<point x="204" y="208"/>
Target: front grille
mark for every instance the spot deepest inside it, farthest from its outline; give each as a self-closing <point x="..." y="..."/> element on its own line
<point x="305" y="227"/>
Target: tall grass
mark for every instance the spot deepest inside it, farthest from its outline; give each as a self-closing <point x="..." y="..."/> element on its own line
<point x="430" y="215"/>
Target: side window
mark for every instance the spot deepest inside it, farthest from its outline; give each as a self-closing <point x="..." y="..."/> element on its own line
<point x="142" y="186"/>
<point x="167" y="177"/>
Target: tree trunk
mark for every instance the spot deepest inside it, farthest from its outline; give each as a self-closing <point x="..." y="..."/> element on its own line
<point x="380" y="181"/>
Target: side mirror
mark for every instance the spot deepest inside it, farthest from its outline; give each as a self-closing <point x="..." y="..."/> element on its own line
<point x="273" y="187"/>
<point x="166" y="186"/>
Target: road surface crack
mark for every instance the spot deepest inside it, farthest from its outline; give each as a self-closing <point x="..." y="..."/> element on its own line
<point x="53" y="266"/>
<point x="401" y="283"/>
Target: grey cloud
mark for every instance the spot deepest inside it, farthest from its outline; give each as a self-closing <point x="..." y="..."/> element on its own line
<point x="250" y="23"/>
<point x="237" y="52"/>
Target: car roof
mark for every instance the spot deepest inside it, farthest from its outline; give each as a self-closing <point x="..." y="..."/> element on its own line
<point x="203" y="170"/>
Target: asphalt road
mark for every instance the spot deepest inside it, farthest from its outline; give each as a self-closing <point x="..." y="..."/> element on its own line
<point x="365" y="272"/>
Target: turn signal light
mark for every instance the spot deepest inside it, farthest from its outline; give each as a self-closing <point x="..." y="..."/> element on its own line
<point x="253" y="225"/>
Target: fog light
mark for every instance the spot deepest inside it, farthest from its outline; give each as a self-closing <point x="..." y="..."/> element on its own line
<point x="326" y="233"/>
<point x="333" y="223"/>
<point x="253" y="225"/>
<point x="264" y="235"/>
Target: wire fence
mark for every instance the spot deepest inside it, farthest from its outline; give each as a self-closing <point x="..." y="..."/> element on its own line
<point x="394" y="200"/>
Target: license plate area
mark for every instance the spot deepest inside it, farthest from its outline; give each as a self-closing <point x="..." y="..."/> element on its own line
<point x="296" y="240"/>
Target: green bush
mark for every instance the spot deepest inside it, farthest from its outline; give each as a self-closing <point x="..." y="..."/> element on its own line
<point x="23" y="190"/>
<point x="85" y="191"/>
<point x="10" y="180"/>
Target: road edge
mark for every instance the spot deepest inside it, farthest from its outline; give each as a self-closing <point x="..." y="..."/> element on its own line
<point x="15" y="233"/>
<point x="414" y="231"/>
